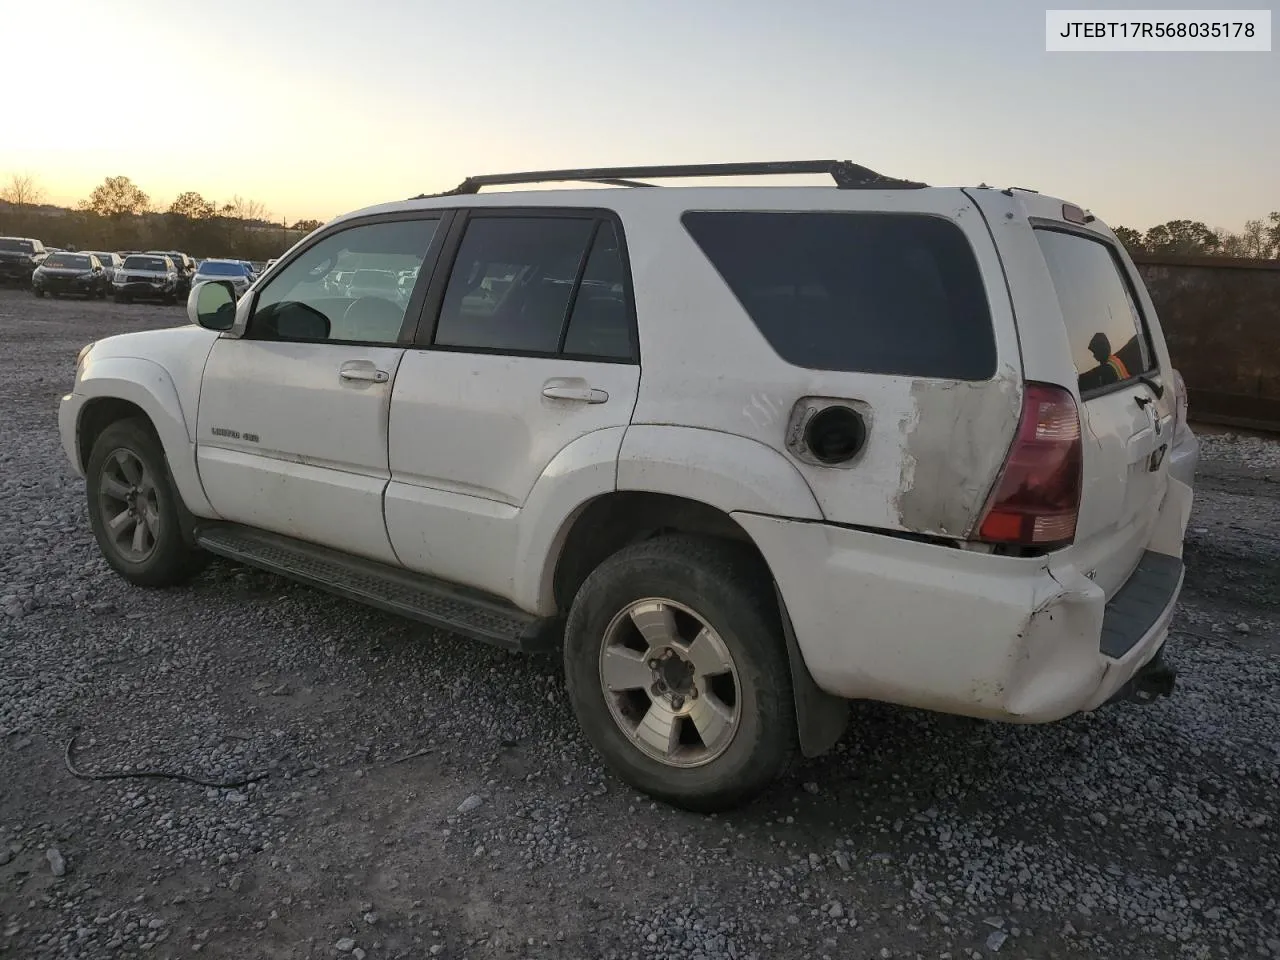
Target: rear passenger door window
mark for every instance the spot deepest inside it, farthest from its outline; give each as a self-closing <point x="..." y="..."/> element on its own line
<point x="539" y="285"/>
<point x="1105" y="328"/>
<point x="345" y="288"/>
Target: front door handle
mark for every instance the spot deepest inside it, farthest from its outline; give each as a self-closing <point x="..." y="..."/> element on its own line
<point x="579" y="394"/>
<point x="366" y="374"/>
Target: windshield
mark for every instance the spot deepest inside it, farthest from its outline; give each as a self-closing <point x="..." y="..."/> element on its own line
<point x="211" y="269"/>
<point x="145" y="263"/>
<point x="107" y="258"/>
<point x="77" y="261"/>
<point x="20" y="246"/>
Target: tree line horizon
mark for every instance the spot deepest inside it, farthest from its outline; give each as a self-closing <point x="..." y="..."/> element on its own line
<point x="120" y="215"/>
<point x="115" y="216"/>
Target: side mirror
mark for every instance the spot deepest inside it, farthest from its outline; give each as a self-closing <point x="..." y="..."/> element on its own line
<point x="212" y="305"/>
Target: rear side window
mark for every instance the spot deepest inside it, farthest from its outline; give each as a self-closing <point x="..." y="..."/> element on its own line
<point x="1104" y="326"/>
<point x="859" y="292"/>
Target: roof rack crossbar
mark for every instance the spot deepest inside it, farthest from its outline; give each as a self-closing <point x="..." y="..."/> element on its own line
<point x="846" y="175"/>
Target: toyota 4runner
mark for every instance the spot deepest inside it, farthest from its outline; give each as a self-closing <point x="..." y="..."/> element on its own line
<point x="742" y="454"/>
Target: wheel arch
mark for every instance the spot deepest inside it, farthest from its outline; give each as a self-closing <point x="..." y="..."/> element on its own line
<point x="118" y="387"/>
<point x="616" y="520"/>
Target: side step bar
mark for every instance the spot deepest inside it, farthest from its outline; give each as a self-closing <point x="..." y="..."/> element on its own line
<point x="437" y="603"/>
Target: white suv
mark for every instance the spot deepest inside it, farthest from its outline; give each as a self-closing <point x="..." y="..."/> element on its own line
<point x="744" y="453"/>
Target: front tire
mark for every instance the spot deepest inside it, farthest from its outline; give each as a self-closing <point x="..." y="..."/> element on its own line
<point x="38" y="293"/>
<point x="134" y="508"/>
<point x="676" y="667"/>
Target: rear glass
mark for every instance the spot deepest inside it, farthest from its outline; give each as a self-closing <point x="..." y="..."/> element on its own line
<point x="1104" y="326"/>
<point x="866" y="292"/>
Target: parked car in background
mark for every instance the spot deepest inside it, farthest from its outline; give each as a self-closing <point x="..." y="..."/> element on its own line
<point x="111" y="262"/>
<point x="19" y="257"/>
<point x="146" y="276"/>
<point x="1184" y="457"/>
<point x="236" y="272"/>
<point x="81" y="274"/>
<point x="183" y="264"/>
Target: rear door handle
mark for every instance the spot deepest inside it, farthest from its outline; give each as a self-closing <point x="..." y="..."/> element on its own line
<point x="579" y="394"/>
<point x="366" y="374"/>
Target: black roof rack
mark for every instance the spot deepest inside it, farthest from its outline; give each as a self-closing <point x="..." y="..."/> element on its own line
<point x="848" y="176"/>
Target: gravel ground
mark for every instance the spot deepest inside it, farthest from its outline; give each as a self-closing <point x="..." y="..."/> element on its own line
<point x="428" y="797"/>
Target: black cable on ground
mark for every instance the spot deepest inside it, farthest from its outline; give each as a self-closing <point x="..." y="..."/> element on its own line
<point x="153" y="774"/>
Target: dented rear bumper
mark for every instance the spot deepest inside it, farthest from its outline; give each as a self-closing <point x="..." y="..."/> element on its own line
<point x="1005" y="638"/>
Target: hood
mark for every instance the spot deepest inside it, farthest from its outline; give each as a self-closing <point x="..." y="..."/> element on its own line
<point x="64" y="271"/>
<point x="139" y="272"/>
<point x="15" y="255"/>
<point x="150" y="344"/>
<point x="201" y="277"/>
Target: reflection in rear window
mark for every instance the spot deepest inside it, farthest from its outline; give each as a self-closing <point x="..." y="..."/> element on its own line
<point x="1104" y="326"/>
<point x="873" y="293"/>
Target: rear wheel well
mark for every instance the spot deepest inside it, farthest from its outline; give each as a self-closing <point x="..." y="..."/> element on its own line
<point x="616" y="520"/>
<point x="100" y="413"/>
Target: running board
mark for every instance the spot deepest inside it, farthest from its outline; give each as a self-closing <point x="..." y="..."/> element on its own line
<point x="437" y="603"/>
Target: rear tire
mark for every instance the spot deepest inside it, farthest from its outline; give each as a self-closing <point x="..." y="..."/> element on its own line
<point x="708" y="750"/>
<point x="121" y="298"/>
<point x="134" y="509"/>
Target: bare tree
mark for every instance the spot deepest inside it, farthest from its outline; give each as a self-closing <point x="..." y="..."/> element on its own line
<point x="23" y="190"/>
<point x="1254" y="241"/>
<point x="241" y="208"/>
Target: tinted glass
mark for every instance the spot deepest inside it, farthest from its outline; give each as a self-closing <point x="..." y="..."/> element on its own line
<point x="223" y="269"/>
<point x="76" y="261"/>
<point x="600" y="324"/>
<point x="145" y="263"/>
<point x="314" y="288"/>
<point x="873" y="293"/>
<point x="19" y="246"/>
<point x="511" y="282"/>
<point x="1104" y="327"/>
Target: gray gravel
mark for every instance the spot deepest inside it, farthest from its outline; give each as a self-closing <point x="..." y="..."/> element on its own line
<point x="428" y="797"/>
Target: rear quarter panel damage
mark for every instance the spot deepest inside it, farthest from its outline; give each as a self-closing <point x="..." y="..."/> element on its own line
<point x="955" y="439"/>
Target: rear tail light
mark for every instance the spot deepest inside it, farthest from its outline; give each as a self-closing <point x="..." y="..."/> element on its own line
<point x="1037" y="499"/>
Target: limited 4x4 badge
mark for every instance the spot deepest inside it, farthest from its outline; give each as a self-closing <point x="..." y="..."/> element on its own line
<point x="234" y="434"/>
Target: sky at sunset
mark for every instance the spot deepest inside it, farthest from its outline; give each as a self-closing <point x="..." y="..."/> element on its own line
<point x="318" y="107"/>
